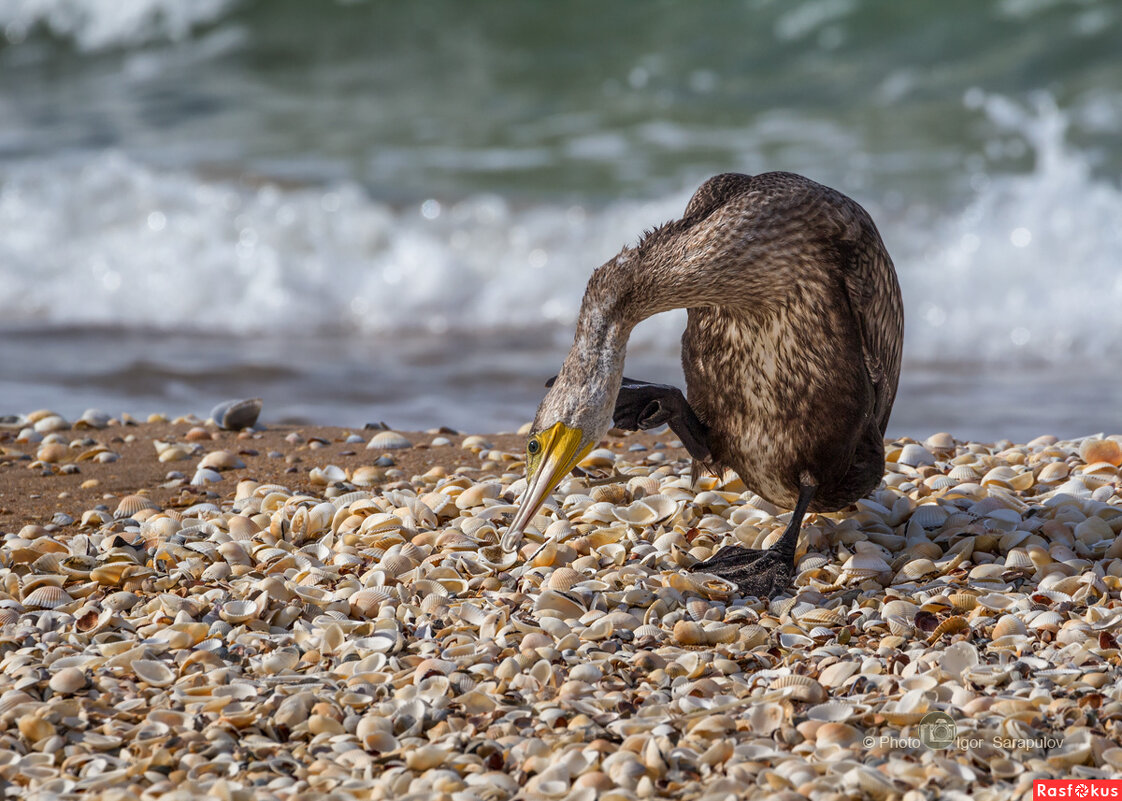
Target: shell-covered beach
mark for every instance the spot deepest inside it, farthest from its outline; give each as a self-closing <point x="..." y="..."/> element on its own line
<point x="323" y="613"/>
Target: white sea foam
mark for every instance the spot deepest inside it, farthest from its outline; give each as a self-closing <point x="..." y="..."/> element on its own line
<point x="101" y="24"/>
<point x="1028" y="268"/>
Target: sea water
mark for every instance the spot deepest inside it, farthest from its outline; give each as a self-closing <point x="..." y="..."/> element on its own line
<point x="387" y="212"/>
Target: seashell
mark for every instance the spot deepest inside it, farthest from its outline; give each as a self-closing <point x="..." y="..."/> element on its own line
<point x="558" y="605"/>
<point x="368" y="602"/>
<point x="963" y="601"/>
<point x="999" y="476"/>
<point x="642" y="486"/>
<point x="863" y="565"/>
<point x="330" y="474"/>
<point x="68" y="681"/>
<point x="34" y="728"/>
<point x="915" y="456"/>
<point x="648" y="630"/>
<point x="819" y="616"/>
<point x="1101" y="450"/>
<point x="1053" y="472"/>
<point x="963" y="472"/>
<point x="239" y="611"/>
<point x="388" y="441"/>
<point x="765" y="718"/>
<point x="899" y="608"/>
<point x="234" y="415"/>
<point x="836" y="674"/>
<point x="939" y="442"/>
<point x="1018" y="559"/>
<point x="49" y="422"/>
<point x="952" y="625"/>
<point x="113" y="573"/>
<point x="476" y="494"/>
<point x="609" y="493"/>
<point x="52" y="452"/>
<point x="1047" y="621"/>
<point x="600" y="457"/>
<point x="120" y="601"/>
<point x="92" y="418"/>
<point x="830" y="712"/>
<point x="47" y="596"/>
<point x="917" y="568"/>
<point x="800" y="688"/>
<point x="652" y="509"/>
<point x="157" y="674"/>
<point x="690" y="632"/>
<point x="940" y="481"/>
<point x="929" y="515"/>
<point x="221" y="460"/>
<point x="563" y="578"/>
<point x="721" y="633"/>
<point x="131" y="504"/>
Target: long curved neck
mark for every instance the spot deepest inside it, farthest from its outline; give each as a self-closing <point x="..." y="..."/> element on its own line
<point x="728" y="260"/>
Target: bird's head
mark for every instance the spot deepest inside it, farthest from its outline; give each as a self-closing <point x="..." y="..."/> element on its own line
<point x="572" y="418"/>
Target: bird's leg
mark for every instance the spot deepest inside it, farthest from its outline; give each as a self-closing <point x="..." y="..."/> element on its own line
<point x="762" y="573"/>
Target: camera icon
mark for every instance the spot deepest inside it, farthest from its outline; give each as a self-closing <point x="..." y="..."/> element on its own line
<point x="937" y="730"/>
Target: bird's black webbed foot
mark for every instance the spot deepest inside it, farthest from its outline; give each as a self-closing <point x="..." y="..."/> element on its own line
<point x="763" y="574"/>
<point x="642" y="405"/>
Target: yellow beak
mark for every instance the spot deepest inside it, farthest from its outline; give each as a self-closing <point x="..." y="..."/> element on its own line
<point x="559" y="451"/>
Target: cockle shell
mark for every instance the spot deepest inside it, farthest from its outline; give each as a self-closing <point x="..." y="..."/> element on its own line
<point x="609" y="493"/>
<point x="952" y="625"/>
<point x="819" y="616"/>
<point x="388" y="441"/>
<point x="563" y="578"/>
<point x="47" y="597"/>
<point x="131" y="504"/>
<point x="915" y="456"/>
<point x="367" y="602"/>
<point x="865" y="564"/>
<point x="801" y="688"/>
<point x="239" y="611"/>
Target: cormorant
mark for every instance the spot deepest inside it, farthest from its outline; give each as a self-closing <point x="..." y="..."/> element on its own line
<point x="791" y="356"/>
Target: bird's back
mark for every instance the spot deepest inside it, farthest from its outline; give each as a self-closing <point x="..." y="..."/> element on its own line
<point x="802" y="381"/>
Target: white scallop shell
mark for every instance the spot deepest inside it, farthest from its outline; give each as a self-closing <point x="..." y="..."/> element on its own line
<point x="388" y="441"/>
<point x="915" y="455"/>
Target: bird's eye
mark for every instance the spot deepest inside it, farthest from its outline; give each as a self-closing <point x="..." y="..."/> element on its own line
<point x="533" y="447"/>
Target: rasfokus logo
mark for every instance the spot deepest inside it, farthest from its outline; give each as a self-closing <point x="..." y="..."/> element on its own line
<point x="1077" y="789"/>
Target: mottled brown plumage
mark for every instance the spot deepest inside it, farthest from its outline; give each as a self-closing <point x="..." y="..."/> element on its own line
<point x="791" y="352"/>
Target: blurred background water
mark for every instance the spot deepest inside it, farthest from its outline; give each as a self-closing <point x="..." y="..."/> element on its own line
<point x="387" y="211"/>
